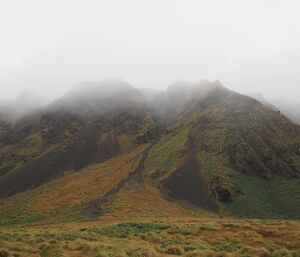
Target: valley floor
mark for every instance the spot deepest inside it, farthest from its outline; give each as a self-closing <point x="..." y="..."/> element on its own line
<point x="144" y="237"/>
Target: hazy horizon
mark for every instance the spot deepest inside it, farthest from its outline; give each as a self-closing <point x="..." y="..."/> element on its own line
<point x="250" y="46"/>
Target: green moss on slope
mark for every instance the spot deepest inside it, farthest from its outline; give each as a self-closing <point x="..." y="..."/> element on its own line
<point x="250" y="196"/>
<point x="165" y="156"/>
<point x="278" y="198"/>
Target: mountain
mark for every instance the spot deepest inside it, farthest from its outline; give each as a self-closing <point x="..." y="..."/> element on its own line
<point x="78" y="118"/>
<point x="246" y="153"/>
<point x="104" y="150"/>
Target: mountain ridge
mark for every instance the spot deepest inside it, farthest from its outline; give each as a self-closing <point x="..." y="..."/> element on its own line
<point x="196" y="155"/>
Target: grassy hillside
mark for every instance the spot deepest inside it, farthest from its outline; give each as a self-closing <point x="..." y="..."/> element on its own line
<point x="166" y="155"/>
<point x="138" y="200"/>
<point x="66" y="198"/>
<point x="249" y="195"/>
<point x="247" y="154"/>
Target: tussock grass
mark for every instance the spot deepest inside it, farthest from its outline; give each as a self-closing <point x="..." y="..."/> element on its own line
<point x="188" y="237"/>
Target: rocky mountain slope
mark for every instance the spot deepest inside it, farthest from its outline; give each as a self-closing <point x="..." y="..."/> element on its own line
<point x="103" y="149"/>
<point x="226" y="139"/>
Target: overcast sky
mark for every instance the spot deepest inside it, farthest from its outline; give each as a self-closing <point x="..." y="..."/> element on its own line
<point x="251" y="46"/>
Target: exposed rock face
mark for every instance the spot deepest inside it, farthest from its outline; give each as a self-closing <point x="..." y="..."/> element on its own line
<point x="187" y="184"/>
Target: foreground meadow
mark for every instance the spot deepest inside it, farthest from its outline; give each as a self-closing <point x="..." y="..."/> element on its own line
<point x="189" y="237"/>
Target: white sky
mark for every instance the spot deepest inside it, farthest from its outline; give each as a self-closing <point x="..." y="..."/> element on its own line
<point x="251" y="46"/>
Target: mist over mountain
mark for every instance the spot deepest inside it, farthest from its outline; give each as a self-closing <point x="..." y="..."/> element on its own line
<point x="150" y="93"/>
<point x="91" y="99"/>
<point x="169" y="103"/>
<point x="289" y="108"/>
<point x="25" y="103"/>
<point x="260" y="97"/>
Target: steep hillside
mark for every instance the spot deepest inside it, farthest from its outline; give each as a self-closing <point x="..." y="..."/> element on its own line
<point x="114" y="133"/>
<point x="222" y="140"/>
<point x="34" y="135"/>
<point x="68" y="197"/>
<point x="62" y="137"/>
